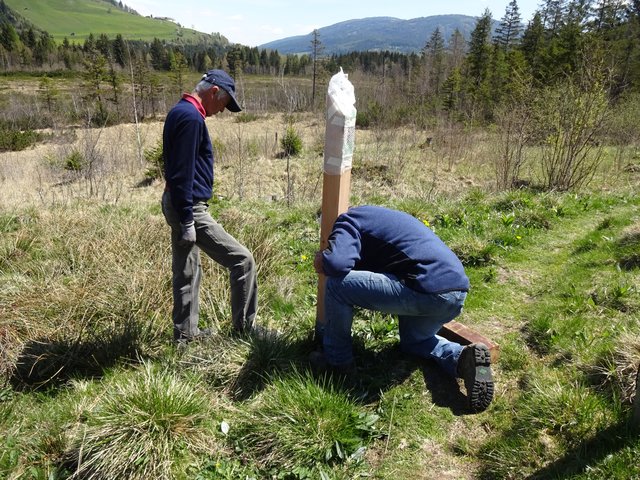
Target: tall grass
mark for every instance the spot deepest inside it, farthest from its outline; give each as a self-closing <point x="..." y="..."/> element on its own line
<point x="91" y="385"/>
<point x="149" y="424"/>
<point x="300" y="422"/>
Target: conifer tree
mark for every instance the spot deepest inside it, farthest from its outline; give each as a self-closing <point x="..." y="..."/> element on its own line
<point x="533" y="45"/>
<point x="119" y="48"/>
<point x="456" y="49"/>
<point x="480" y="50"/>
<point x="433" y="55"/>
<point x="508" y="32"/>
<point x="316" y="51"/>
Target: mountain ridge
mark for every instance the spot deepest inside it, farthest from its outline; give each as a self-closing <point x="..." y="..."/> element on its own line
<point x="376" y="34"/>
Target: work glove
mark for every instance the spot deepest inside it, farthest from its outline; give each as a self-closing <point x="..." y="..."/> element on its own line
<point x="188" y="236"/>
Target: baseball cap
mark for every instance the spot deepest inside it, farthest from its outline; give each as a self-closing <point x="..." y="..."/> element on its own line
<point x="225" y="82"/>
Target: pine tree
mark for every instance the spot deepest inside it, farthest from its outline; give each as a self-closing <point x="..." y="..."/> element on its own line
<point x="456" y="49"/>
<point x="479" y="51"/>
<point x="433" y="54"/>
<point x="508" y="32"/>
<point x="316" y="51"/>
<point x="120" y="51"/>
<point x="94" y="75"/>
<point x="608" y="14"/>
<point x="452" y="89"/>
<point x="178" y="68"/>
<point x="235" y="60"/>
<point x="159" y="57"/>
<point x="103" y="44"/>
<point x="533" y="45"/>
<point x="9" y="37"/>
<point x="551" y="13"/>
<point x="571" y="38"/>
<point x="478" y="64"/>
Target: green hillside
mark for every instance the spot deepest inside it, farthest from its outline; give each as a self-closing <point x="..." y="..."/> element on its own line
<point x="76" y="19"/>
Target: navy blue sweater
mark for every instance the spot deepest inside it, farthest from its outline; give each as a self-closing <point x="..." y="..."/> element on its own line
<point x="381" y="240"/>
<point x="188" y="158"/>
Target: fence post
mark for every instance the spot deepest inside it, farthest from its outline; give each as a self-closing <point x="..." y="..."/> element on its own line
<point x="338" y="154"/>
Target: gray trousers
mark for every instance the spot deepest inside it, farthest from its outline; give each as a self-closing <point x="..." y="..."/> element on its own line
<point x="212" y="238"/>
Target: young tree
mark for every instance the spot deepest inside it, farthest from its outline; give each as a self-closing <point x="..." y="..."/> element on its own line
<point x="103" y="45"/>
<point x="49" y="93"/>
<point x="456" y="49"/>
<point x="178" y="68"/>
<point x="316" y="50"/>
<point x="9" y="37"/>
<point x="452" y="89"/>
<point x="94" y="75"/>
<point x="433" y="56"/>
<point x="120" y="54"/>
<point x="159" y="57"/>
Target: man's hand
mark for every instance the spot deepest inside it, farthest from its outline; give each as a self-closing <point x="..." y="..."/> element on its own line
<point x="317" y="263"/>
<point x="188" y="236"/>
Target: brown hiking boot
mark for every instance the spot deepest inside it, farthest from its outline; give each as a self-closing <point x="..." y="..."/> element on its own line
<point x="474" y="366"/>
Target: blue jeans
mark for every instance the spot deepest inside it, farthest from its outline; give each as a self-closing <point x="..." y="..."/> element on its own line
<point x="420" y="316"/>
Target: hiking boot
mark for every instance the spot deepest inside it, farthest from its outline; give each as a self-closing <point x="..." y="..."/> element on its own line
<point x="474" y="366"/>
<point x="320" y="365"/>
<point x="255" y="331"/>
<point x="201" y="335"/>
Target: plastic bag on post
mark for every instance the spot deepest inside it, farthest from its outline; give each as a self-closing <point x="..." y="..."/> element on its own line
<point x="341" y="125"/>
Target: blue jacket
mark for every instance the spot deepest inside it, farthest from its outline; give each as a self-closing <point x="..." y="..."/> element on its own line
<point x="381" y="240"/>
<point x="188" y="158"/>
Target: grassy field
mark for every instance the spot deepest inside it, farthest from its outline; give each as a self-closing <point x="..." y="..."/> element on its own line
<point x="76" y="19"/>
<point x="91" y="386"/>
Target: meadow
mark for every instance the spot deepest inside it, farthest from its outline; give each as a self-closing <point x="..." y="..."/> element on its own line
<point x="76" y="20"/>
<point x="91" y="385"/>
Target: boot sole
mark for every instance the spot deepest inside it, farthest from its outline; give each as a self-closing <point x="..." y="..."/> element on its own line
<point x="481" y="392"/>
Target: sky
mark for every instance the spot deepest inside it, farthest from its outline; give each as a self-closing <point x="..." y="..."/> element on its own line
<point x="255" y="22"/>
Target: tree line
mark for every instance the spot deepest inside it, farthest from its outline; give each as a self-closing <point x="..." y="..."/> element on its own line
<point x="464" y="78"/>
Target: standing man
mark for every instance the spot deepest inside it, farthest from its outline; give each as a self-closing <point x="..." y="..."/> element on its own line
<point x="188" y="167"/>
<point x="389" y="261"/>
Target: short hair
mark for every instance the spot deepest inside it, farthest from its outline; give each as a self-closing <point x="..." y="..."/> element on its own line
<point x="203" y="86"/>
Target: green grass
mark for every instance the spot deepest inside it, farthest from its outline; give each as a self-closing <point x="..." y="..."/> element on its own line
<point x="89" y="379"/>
<point x="76" y="19"/>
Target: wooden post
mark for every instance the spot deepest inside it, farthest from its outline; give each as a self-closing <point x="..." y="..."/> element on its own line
<point x="338" y="154"/>
<point x="335" y="200"/>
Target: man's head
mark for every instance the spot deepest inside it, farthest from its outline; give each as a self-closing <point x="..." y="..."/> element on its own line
<point x="217" y="90"/>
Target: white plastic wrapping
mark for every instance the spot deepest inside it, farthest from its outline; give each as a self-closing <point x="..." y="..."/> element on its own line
<point x="341" y="125"/>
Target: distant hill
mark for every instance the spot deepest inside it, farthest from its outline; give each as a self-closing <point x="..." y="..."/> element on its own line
<point x="377" y="33"/>
<point x="76" y="19"/>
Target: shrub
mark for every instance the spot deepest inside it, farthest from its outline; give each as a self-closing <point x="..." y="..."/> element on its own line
<point x="245" y="117"/>
<point x="154" y="158"/>
<point x="75" y="161"/>
<point x="291" y="142"/>
<point x="16" y="140"/>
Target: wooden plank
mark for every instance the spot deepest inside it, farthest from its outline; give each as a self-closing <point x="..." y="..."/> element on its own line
<point x="336" y="190"/>
<point x="459" y="333"/>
